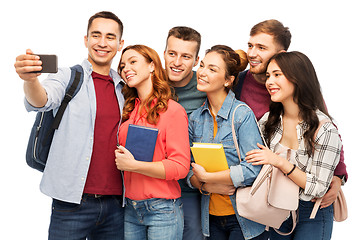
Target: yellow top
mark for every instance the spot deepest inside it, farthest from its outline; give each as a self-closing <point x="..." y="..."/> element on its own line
<point x="220" y="205"/>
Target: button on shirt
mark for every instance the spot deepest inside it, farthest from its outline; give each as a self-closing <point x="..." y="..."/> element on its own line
<point x="68" y="162"/>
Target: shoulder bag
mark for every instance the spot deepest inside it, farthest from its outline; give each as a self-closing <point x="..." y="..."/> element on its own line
<point x="272" y="196"/>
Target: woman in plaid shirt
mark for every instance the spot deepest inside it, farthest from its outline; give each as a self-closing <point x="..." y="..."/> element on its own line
<point x="296" y="110"/>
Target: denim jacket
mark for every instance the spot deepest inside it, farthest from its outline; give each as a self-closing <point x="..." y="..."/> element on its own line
<point x="242" y="174"/>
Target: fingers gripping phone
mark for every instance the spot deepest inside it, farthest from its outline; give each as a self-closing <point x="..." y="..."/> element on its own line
<point x="49" y="63"/>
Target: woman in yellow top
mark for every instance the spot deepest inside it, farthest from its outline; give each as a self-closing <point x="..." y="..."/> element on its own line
<point x="211" y="123"/>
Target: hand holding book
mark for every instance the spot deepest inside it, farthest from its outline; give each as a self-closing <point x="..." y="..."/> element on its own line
<point x="211" y="165"/>
<point x="210" y="155"/>
<point x="199" y="172"/>
<point x="124" y="160"/>
<point x="141" y="141"/>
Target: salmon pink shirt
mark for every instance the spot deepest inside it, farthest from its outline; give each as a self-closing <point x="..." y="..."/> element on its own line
<point x="172" y="149"/>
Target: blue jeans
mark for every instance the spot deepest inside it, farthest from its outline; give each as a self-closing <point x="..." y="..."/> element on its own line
<point x="319" y="228"/>
<point x="160" y="219"/>
<point x="94" y="219"/>
<point x="192" y="217"/>
<point x="228" y="228"/>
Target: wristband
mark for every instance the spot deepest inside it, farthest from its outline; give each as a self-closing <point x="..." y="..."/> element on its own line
<point x="287" y="174"/>
<point x="203" y="192"/>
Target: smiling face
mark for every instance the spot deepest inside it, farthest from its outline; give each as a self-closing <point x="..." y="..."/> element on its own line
<point x="211" y="74"/>
<point x="261" y="47"/>
<point x="136" y="71"/>
<point x="180" y="58"/>
<point x="103" y="42"/>
<point x="278" y="86"/>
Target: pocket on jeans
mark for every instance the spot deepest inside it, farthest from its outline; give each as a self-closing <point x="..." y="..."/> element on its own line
<point x="162" y="206"/>
<point x="61" y="206"/>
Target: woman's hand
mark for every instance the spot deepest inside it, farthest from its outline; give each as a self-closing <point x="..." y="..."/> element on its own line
<point x="331" y="195"/>
<point x="199" y="172"/>
<point x="263" y="156"/>
<point x="124" y="159"/>
<point x="219" y="188"/>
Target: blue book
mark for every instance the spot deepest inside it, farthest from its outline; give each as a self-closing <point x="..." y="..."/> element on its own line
<point x="140" y="141"/>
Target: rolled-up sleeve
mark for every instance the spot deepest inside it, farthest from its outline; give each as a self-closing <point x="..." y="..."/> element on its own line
<point x="55" y="87"/>
<point x="177" y="163"/>
<point x="325" y="159"/>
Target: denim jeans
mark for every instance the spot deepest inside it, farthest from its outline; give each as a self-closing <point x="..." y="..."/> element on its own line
<point x="228" y="228"/>
<point x="192" y="217"/>
<point x="160" y="219"/>
<point x="94" y="219"/>
<point x="319" y="228"/>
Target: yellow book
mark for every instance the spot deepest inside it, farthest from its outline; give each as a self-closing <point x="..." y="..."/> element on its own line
<point x="211" y="156"/>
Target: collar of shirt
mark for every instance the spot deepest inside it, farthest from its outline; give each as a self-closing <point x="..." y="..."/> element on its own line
<point x="99" y="76"/>
<point x="113" y="74"/>
<point x="225" y="109"/>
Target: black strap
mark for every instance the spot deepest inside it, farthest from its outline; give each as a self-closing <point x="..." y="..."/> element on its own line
<point x="239" y="84"/>
<point x="67" y="98"/>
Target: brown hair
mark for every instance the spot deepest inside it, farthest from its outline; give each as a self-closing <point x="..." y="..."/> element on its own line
<point x="281" y="34"/>
<point x="243" y="59"/>
<point x="185" y="34"/>
<point x="161" y="90"/>
<point x="231" y="59"/>
<point x="107" y="15"/>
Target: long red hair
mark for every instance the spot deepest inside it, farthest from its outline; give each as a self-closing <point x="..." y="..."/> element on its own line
<point x="161" y="91"/>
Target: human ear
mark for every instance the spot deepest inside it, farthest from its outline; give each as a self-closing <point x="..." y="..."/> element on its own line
<point x="85" y="40"/>
<point x="196" y="61"/>
<point x="121" y="45"/>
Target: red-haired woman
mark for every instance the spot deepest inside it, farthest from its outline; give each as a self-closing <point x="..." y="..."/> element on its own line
<point x="153" y="210"/>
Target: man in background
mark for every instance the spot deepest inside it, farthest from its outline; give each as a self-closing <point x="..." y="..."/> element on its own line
<point x="266" y="39"/>
<point x="181" y="56"/>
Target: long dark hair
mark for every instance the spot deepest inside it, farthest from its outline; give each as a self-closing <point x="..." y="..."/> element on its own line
<point x="298" y="69"/>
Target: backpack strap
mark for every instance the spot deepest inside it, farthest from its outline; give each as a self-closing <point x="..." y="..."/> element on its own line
<point x="74" y="85"/>
<point x="239" y="84"/>
<point x="77" y="76"/>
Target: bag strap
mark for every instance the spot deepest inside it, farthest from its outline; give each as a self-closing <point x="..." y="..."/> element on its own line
<point x="76" y="79"/>
<point x="294" y="216"/>
<point x="319" y="200"/>
<point x="70" y="93"/>
<point x="269" y="169"/>
<point x="239" y="84"/>
<point x="234" y="132"/>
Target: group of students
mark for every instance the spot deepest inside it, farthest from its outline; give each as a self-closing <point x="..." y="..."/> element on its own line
<point x="170" y="197"/>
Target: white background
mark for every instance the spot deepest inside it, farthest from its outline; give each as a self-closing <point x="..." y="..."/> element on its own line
<point x="326" y="31"/>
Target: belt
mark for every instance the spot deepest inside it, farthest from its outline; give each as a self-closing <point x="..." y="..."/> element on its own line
<point x="96" y="195"/>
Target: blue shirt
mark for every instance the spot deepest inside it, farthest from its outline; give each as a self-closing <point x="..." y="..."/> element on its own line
<point x="69" y="157"/>
<point x="242" y="174"/>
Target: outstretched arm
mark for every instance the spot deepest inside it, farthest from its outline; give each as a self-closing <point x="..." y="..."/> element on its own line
<point x="25" y="66"/>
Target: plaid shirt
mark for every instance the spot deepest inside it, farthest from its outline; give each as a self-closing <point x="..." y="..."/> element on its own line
<point x="320" y="168"/>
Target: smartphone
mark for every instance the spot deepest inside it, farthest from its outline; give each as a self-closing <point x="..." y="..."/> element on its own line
<point x="49" y="63"/>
